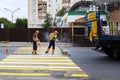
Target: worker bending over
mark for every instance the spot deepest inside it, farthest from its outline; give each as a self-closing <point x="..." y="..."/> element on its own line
<point x="53" y="38"/>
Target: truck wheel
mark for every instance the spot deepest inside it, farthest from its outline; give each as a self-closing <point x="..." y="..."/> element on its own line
<point x="109" y="53"/>
<point x="116" y="53"/>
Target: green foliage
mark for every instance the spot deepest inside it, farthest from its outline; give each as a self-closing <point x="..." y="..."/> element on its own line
<point x="61" y="12"/>
<point x="21" y="23"/>
<point x="48" y="21"/>
<point x="7" y="23"/>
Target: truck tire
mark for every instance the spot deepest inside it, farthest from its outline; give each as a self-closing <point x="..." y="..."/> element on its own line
<point x="116" y="53"/>
<point x="109" y="52"/>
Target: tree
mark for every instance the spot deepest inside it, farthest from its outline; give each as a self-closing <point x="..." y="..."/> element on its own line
<point x="61" y="12"/>
<point x="48" y="21"/>
<point x="21" y="23"/>
<point x="7" y="23"/>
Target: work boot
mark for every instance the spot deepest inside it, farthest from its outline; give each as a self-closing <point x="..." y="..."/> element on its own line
<point x="46" y="52"/>
<point x="36" y="54"/>
<point x="33" y="53"/>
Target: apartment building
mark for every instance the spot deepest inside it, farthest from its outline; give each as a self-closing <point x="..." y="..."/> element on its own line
<point x="53" y="7"/>
<point x="37" y="10"/>
<point x="36" y="13"/>
<point x="42" y="9"/>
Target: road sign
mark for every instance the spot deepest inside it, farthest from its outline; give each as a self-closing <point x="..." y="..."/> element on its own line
<point x="92" y="16"/>
<point x="2" y="25"/>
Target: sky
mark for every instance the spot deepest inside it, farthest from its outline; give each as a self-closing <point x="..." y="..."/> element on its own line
<point x="13" y="5"/>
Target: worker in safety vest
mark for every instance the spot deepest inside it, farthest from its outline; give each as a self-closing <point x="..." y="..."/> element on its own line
<point x="53" y="38"/>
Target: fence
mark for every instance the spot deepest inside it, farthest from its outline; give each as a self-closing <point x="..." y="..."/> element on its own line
<point x="25" y="35"/>
<point x="65" y="35"/>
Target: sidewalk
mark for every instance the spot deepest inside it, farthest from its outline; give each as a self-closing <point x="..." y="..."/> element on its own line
<point x="26" y="44"/>
<point x="13" y="47"/>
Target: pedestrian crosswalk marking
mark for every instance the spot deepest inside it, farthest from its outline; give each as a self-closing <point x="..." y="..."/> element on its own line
<point x="45" y="67"/>
<point x="42" y="74"/>
<point x="76" y="75"/>
<point x="6" y="60"/>
<point x="38" y="57"/>
<point x="37" y="64"/>
<point x="36" y="60"/>
<point x="40" y="65"/>
<point x="41" y="69"/>
<point x="26" y="74"/>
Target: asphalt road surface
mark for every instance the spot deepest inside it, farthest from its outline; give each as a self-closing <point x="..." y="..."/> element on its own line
<point x="98" y="66"/>
<point x="3" y="54"/>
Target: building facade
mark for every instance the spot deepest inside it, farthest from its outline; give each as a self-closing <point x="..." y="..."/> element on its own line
<point x="79" y="11"/>
<point x="67" y="4"/>
<point x="37" y="10"/>
<point x="42" y="9"/>
<point x="53" y="7"/>
<point x="36" y="13"/>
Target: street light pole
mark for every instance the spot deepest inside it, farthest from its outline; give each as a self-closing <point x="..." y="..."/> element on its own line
<point x="12" y="12"/>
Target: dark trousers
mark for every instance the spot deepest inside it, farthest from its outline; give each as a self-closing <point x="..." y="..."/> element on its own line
<point x="51" y="44"/>
<point x="34" y="45"/>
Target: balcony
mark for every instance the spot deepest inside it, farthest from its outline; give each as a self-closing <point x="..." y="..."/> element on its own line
<point x="42" y="5"/>
<point x="42" y="2"/>
<point x="65" y="1"/>
<point x="42" y="10"/>
<point x="41" y="17"/>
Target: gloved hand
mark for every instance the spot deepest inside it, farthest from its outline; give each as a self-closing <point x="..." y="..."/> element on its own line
<point x="38" y="43"/>
<point x="57" y="40"/>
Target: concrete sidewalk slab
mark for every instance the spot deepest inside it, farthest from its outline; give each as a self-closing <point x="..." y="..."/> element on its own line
<point x="28" y="44"/>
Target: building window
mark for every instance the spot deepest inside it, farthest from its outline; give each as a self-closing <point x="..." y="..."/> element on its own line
<point x="34" y="10"/>
<point x="117" y="24"/>
<point x="40" y="10"/>
<point x="33" y="18"/>
<point x="39" y="4"/>
<point x="33" y="13"/>
<point x="44" y="5"/>
<point x="34" y="0"/>
<point x="49" y="5"/>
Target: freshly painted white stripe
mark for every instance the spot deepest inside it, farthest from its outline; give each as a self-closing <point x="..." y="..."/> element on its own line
<point x="44" y="56"/>
<point x="38" y="57"/>
<point x="34" y="63"/>
<point x="25" y="74"/>
<point x="47" y="67"/>
<point x="35" y="60"/>
<point x="41" y="61"/>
